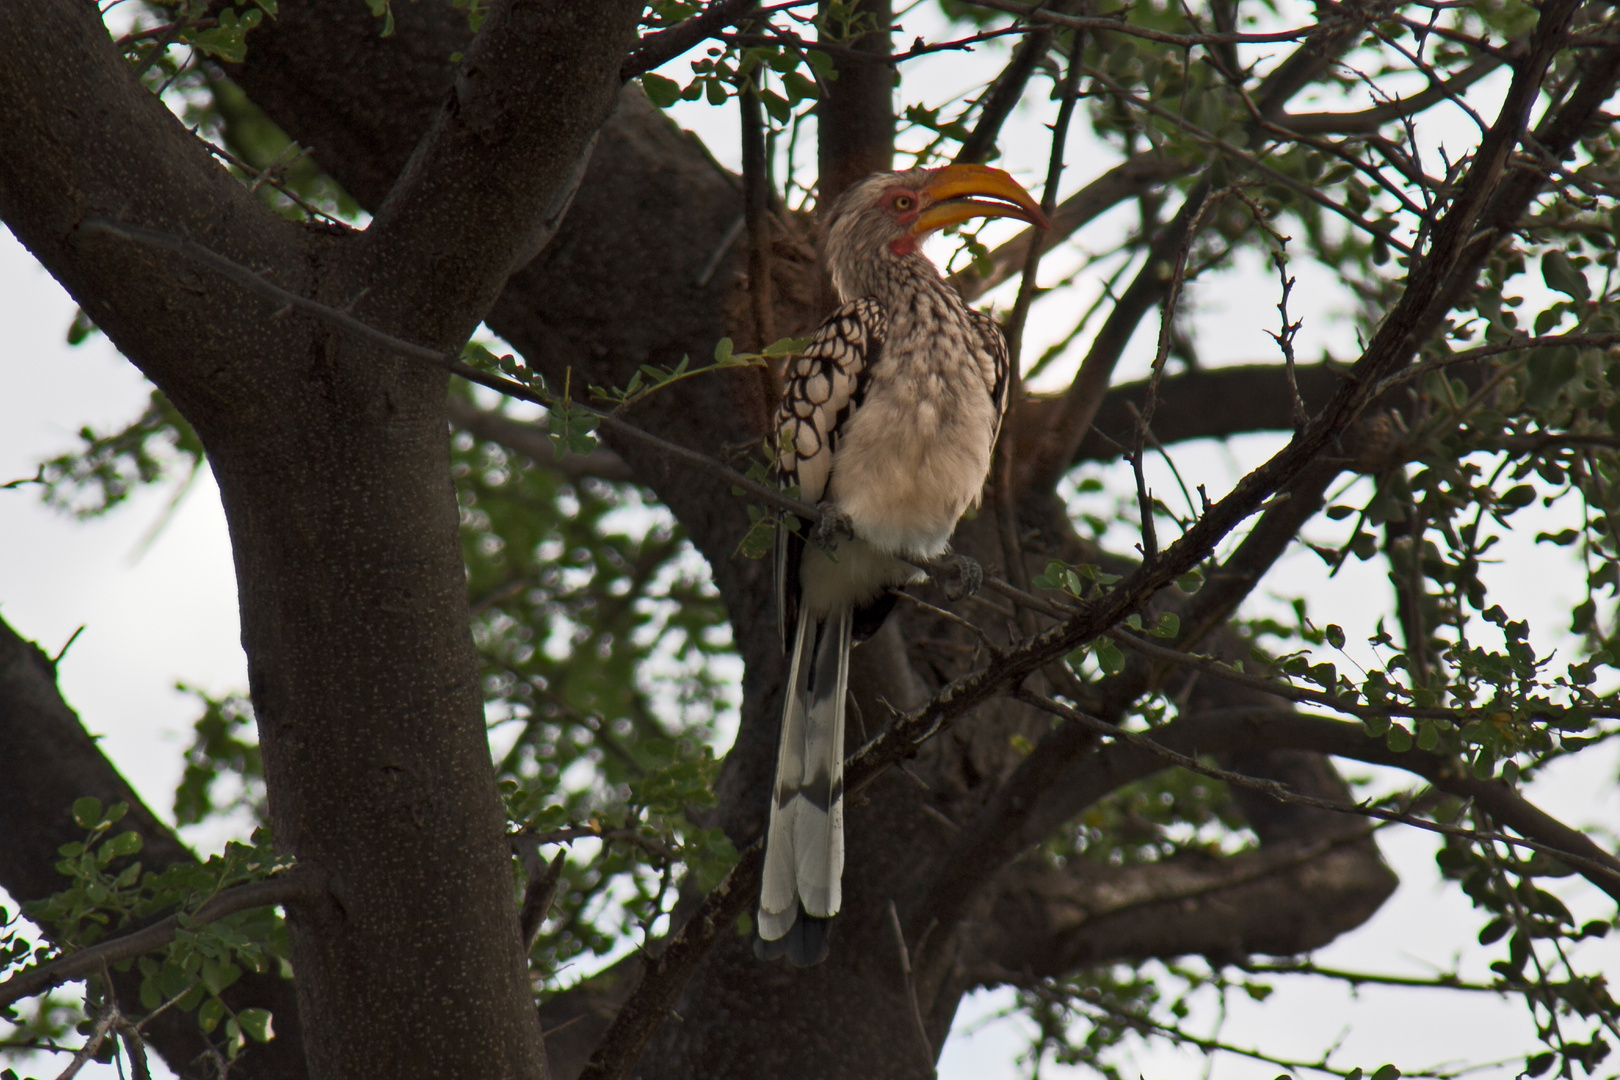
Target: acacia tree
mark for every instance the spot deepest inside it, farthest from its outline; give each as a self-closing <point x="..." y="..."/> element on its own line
<point x="1094" y="762"/>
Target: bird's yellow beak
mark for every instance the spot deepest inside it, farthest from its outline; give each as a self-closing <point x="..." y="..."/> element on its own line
<point x="950" y="199"/>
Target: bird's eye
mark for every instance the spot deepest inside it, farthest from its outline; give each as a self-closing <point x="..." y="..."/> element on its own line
<point x="903" y="203"/>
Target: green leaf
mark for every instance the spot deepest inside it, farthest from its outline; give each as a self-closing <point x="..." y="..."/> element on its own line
<point x="81" y="328"/>
<point x="1550" y="370"/>
<point x="1398" y="739"/>
<point x="760" y="540"/>
<point x="1560" y="274"/>
<point x="776" y="105"/>
<point x="722" y="350"/>
<point x="660" y="91"/>
<point x="1518" y="497"/>
<point x="1169" y="625"/>
<point x="800" y="87"/>
<point x="786" y="346"/>
<point x="217" y="976"/>
<point x="209" y="1016"/>
<point x="87" y="812"/>
<point x="1111" y="660"/>
<point x="823" y="64"/>
<point x="125" y="843"/>
<point x="257" y="1024"/>
<point x="1387" y="1072"/>
<point x="1539" y="1063"/>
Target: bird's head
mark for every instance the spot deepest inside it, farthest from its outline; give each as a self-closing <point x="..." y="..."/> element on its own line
<point x="886" y="216"/>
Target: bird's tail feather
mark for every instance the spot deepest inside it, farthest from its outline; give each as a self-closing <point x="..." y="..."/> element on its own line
<point x="804" y="850"/>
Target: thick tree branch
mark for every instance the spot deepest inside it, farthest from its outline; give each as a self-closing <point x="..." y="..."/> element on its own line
<point x="658" y="49"/>
<point x="131" y="157"/>
<point x="1006" y="91"/>
<point x="1225" y="731"/>
<point x="1281" y="900"/>
<point x="490" y="182"/>
<point x="1370" y="120"/>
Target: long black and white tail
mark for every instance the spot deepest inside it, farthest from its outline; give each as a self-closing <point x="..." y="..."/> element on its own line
<point x="804" y="849"/>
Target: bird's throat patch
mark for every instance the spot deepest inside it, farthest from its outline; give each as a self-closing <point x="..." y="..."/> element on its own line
<point x="905" y="245"/>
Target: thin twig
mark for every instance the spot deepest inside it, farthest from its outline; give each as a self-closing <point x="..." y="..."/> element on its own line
<point x="911" y="988"/>
<point x="1208" y="201"/>
<point x="1285" y="337"/>
<point x="1006" y="450"/>
<point x="756" y="200"/>
<point x="104" y="1022"/>
<point x="952" y="616"/>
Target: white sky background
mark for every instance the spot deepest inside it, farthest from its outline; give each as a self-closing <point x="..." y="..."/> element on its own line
<point x="166" y="612"/>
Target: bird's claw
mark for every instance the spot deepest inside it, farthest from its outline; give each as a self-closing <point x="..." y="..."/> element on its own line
<point x="961" y="577"/>
<point x="833" y="526"/>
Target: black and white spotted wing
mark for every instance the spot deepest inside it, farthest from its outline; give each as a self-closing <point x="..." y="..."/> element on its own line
<point x="996" y="376"/>
<point x="821" y="389"/>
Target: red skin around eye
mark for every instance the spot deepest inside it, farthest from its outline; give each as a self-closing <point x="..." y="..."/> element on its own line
<point x="904" y="245"/>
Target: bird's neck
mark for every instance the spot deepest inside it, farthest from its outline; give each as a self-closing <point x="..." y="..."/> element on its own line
<point x="893" y="281"/>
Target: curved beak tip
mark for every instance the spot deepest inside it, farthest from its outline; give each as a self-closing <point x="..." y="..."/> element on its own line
<point x="958" y="193"/>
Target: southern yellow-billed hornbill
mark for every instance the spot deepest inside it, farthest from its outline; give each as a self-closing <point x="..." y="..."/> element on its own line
<point x="887" y="421"/>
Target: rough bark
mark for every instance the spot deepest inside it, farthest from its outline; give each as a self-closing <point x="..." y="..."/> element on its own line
<point x="331" y="460"/>
<point x="856" y="118"/>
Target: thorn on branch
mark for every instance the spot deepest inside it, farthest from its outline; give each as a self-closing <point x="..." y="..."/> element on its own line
<point x="538" y="897"/>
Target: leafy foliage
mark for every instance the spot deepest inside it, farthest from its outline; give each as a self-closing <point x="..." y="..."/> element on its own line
<point x="109" y="891"/>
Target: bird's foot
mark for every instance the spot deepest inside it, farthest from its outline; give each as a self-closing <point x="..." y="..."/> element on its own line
<point x="959" y="575"/>
<point x="833" y="526"/>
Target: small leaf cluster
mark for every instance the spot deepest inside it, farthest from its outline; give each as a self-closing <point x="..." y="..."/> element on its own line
<point x="110" y="893"/>
<point x="1538" y="932"/>
<point x="107" y="467"/>
<point x="218" y="32"/>
<point x="717" y="77"/>
<point x="650" y="378"/>
<point x="224" y="754"/>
